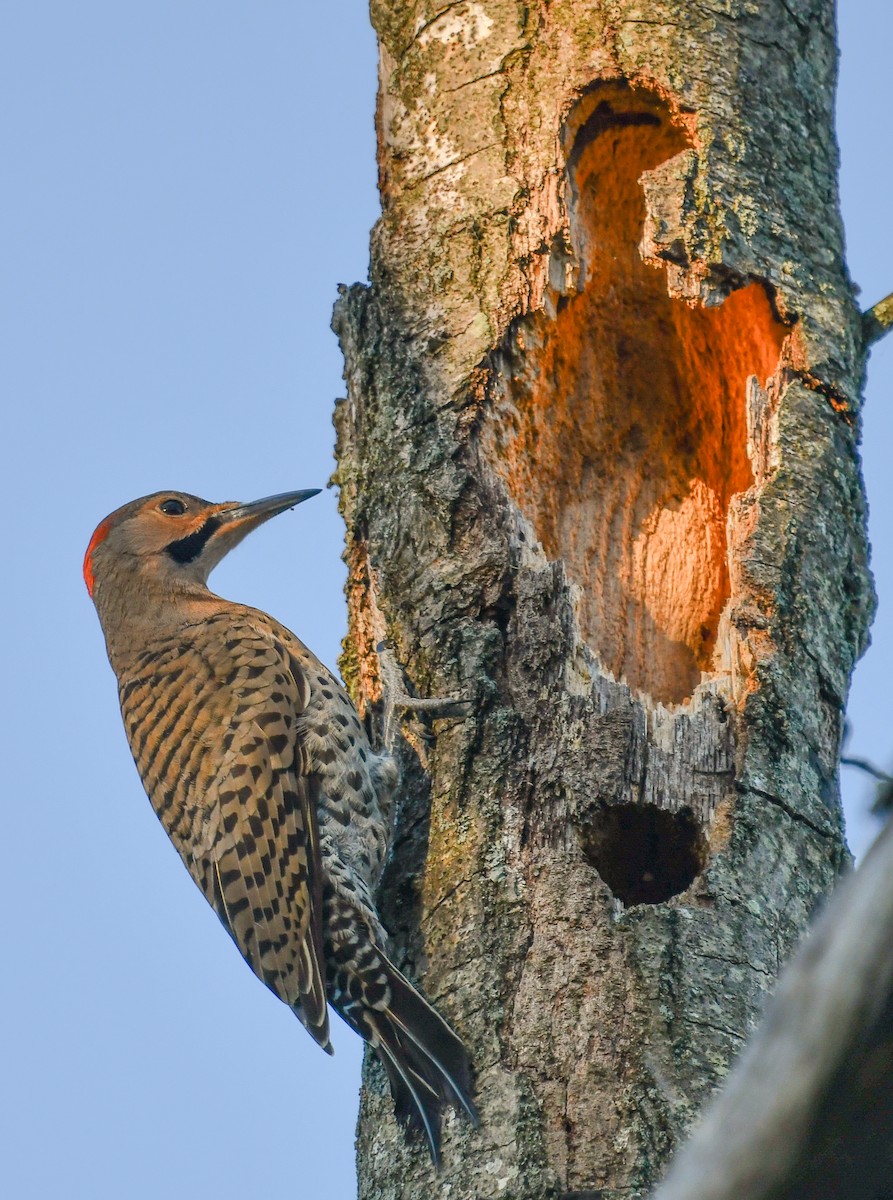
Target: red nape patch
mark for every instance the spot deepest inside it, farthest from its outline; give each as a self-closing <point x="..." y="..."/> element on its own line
<point x="100" y="534"/>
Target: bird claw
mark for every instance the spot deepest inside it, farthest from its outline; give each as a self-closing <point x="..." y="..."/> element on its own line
<point x="396" y="699"/>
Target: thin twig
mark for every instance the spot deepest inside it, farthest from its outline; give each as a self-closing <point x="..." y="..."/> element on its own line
<point x="862" y="764"/>
<point x="877" y="320"/>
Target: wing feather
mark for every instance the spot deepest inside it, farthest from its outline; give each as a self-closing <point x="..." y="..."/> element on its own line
<point x="226" y="770"/>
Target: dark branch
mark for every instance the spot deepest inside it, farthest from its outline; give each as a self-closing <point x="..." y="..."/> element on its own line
<point x="807" y="1114"/>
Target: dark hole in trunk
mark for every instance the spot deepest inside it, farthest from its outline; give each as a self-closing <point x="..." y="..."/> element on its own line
<point x="645" y="854"/>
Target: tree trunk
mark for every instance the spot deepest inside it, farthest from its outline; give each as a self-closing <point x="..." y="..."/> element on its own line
<point x="598" y="467"/>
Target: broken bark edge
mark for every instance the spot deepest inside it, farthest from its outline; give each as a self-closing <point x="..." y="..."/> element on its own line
<point x="808" y="1110"/>
<point x="877" y="321"/>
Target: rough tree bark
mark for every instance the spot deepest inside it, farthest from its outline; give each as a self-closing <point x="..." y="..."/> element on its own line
<point x="598" y="467"/>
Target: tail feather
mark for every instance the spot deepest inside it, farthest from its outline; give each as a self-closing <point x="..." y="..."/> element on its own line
<point x="426" y="1064"/>
<point x="416" y="1104"/>
<point x="433" y="1039"/>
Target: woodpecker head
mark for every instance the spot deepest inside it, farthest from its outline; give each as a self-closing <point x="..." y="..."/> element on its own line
<point x="173" y="540"/>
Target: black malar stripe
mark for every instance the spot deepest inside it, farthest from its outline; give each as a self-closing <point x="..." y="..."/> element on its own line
<point x="187" y="549"/>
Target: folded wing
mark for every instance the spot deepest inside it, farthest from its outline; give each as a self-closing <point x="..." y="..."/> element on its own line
<point x="213" y="725"/>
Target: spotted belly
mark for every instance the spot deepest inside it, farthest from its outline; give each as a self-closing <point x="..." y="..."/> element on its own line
<point x="355" y="787"/>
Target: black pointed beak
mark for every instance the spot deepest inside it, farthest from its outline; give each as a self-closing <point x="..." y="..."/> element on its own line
<point x="232" y="522"/>
<point x="226" y="525"/>
<point x="258" y="511"/>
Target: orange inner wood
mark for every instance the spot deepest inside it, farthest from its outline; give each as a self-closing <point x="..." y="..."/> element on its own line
<point x="629" y="432"/>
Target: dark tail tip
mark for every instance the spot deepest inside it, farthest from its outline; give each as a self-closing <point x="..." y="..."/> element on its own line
<point x="426" y="1063"/>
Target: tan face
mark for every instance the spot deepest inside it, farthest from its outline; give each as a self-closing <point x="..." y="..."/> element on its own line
<point x="144" y="530"/>
<point x="171" y="536"/>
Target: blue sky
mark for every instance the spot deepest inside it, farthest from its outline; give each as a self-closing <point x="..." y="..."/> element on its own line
<point x="186" y="183"/>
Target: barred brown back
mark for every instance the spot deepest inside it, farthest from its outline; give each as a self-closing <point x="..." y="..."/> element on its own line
<point x="210" y="716"/>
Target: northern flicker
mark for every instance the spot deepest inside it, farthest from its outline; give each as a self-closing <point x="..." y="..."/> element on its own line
<point x="256" y="764"/>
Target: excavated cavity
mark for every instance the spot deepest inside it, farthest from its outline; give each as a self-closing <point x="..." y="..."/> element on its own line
<point x="645" y="854"/>
<point x="624" y="436"/>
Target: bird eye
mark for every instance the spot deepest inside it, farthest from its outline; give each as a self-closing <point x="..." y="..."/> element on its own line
<point x="173" y="508"/>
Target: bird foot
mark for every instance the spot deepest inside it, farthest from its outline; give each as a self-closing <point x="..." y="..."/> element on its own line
<point x="397" y="699"/>
<point x="434" y="706"/>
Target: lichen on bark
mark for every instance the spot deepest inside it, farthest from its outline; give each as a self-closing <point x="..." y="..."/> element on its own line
<point x="598" y="468"/>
